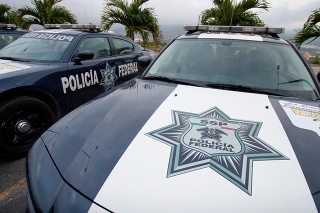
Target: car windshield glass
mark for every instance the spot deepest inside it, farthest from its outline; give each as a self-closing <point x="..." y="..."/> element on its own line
<point x="270" y="67"/>
<point x="37" y="47"/>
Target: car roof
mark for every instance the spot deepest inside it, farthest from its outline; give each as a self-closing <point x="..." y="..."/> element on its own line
<point x="75" y="29"/>
<point x="70" y="31"/>
<point x="233" y="36"/>
<point x="14" y="30"/>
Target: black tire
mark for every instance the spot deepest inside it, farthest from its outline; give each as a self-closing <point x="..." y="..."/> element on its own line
<point x="22" y="121"/>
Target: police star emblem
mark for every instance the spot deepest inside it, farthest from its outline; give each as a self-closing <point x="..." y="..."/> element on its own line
<point x="212" y="139"/>
<point x="108" y="76"/>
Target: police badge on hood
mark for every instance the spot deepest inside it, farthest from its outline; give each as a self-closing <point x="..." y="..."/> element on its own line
<point x="213" y="139"/>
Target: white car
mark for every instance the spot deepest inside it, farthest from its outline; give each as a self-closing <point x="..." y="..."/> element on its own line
<point x="223" y="120"/>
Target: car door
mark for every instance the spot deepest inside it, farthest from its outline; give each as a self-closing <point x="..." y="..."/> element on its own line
<point x="88" y="78"/>
<point x="114" y="62"/>
<point x="127" y="53"/>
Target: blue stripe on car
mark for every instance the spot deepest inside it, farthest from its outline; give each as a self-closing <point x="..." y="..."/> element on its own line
<point x="306" y="145"/>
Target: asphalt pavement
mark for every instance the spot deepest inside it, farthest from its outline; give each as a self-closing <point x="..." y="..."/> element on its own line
<point x="13" y="186"/>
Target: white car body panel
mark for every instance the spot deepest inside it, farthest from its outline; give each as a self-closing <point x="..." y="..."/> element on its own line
<point x="139" y="181"/>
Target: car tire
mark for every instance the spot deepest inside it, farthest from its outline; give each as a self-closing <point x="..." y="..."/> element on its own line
<point x="22" y="121"/>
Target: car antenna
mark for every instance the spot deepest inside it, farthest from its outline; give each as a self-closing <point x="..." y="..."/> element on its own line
<point x="231" y="19"/>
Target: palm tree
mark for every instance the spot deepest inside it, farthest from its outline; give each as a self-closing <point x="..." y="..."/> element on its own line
<point x="228" y="12"/>
<point x="310" y="29"/>
<point x="135" y="18"/>
<point x="4" y="10"/>
<point x="9" y="16"/>
<point x="45" y="12"/>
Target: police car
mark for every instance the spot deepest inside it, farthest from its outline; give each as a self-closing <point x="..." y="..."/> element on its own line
<point x="9" y="33"/>
<point x="45" y="74"/>
<point x="225" y="119"/>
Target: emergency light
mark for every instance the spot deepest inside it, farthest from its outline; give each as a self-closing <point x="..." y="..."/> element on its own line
<point x="74" y="26"/>
<point x="8" y="26"/>
<point x="233" y="29"/>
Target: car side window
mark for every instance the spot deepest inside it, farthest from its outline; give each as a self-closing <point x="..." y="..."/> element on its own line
<point x="123" y="47"/>
<point x="99" y="46"/>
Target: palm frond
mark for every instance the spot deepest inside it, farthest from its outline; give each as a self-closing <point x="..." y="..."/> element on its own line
<point x="306" y="34"/>
<point x="4" y="12"/>
<point x="310" y="30"/>
<point x="313" y="19"/>
<point x="61" y="15"/>
<point x="137" y="20"/>
<point x="45" y="12"/>
<point x="226" y="12"/>
<point x="246" y="5"/>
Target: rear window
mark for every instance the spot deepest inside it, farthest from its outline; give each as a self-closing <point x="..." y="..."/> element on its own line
<point x="38" y="47"/>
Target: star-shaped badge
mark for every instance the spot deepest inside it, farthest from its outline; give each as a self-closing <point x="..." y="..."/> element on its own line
<point x="212" y="139"/>
<point x="108" y="76"/>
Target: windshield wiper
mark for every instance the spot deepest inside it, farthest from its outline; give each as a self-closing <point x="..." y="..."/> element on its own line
<point x="298" y="81"/>
<point x="241" y="89"/>
<point x="12" y="59"/>
<point x="170" y="80"/>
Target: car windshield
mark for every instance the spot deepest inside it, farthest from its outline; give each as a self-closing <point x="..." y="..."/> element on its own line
<point x="37" y="47"/>
<point x="261" y="66"/>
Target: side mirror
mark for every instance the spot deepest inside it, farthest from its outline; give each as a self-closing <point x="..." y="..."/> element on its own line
<point x="144" y="61"/>
<point x="83" y="55"/>
<point x="86" y="54"/>
<point x="318" y="76"/>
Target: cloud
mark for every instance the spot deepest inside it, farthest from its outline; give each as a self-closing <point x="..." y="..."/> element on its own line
<point x="179" y="11"/>
<point x="290" y="16"/>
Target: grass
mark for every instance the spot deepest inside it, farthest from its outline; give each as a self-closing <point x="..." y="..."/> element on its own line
<point x="316" y="60"/>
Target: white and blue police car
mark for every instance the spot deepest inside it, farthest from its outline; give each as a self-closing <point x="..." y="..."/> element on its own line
<point x="225" y="119"/>
<point x="45" y="74"/>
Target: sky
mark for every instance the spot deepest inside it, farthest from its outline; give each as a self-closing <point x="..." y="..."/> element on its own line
<point x="290" y="14"/>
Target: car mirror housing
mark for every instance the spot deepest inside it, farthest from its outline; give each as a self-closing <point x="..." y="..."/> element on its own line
<point x="86" y="54"/>
<point x="144" y="61"/>
<point x="83" y="55"/>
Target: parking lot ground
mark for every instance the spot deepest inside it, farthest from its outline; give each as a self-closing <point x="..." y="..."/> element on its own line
<point x="13" y="186"/>
<point x="316" y="68"/>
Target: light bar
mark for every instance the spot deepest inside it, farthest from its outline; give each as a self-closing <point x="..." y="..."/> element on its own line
<point x="210" y="28"/>
<point x="8" y="26"/>
<point x="73" y="26"/>
<point x="234" y="29"/>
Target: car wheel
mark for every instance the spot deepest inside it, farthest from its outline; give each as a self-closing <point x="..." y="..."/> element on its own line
<point x="22" y="121"/>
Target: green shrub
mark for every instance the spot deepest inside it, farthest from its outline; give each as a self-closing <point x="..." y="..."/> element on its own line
<point x="317" y="60"/>
<point x="154" y="46"/>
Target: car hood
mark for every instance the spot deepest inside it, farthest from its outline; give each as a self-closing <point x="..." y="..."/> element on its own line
<point x="10" y="68"/>
<point x="158" y="147"/>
